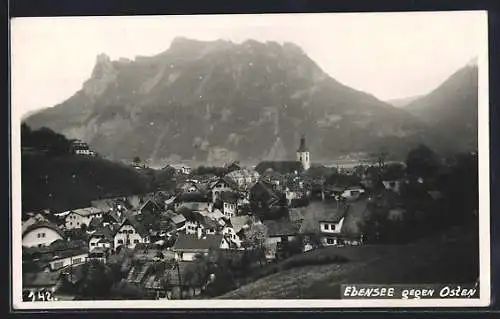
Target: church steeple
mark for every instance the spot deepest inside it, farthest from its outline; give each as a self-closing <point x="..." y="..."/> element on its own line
<point x="302" y="147"/>
<point x="303" y="154"/>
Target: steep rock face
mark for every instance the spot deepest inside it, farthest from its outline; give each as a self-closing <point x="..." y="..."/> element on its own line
<point x="219" y="101"/>
<point x="452" y="108"/>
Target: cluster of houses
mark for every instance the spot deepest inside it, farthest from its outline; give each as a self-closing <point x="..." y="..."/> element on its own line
<point x="203" y="213"/>
<point x="198" y="216"/>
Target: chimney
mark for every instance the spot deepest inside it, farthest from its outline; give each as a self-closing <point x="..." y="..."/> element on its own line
<point x="199" y="232"/>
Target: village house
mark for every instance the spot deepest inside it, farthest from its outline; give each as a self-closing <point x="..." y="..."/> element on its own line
<point x="240" y="224"/>
<point x="193" y="221"/>
<point x="181" y="169"/>
<point x="189" y="186"/>
<point x="59" y="254"/>
<point x="221" y="185"/>
<point x="193" y="201"/>
<point x="325" y="222"/>
<point x="111" y="218"/>
<point x="179" y="221"/>
<point x="99" y="253"/>
<point x="40" y="233"/>
<point x="149" y="206"/>
<point x="68" y="258"/>
<point x="130" y="233"/>
<point x="280" y="231"/>
<point x="263" y="195"/>
<point x="82" y="216"/>
<point x="230" y="234"/>
<point x="188" y="246"/>
<point x="216" y="214"/>
<point x="229" y="203"/>
<point x="105" y="204"/>
<point x="352" y="193"/>
<point x="102" y="237"/>
<point x="244" y="178"/>
<point x="210" y="226"/>
<point x="81" y="148"/>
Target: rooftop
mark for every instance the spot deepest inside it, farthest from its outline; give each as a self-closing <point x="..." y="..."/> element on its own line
<point x="42" y="224"/>
<point x="283" y="227"/>
<point x="195" y="197"/>
<point x="318" y="212"/>
<point x="238" y="222"/>
<point x="192" y="242"/>
<point x="87" y="211"/>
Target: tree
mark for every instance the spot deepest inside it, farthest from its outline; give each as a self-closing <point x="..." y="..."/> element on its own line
<point x="320" y="172"/>
<point x="126" y="291"/>
<point x="256" y="237"/>
<point x="292" y="247"/>
<point x="379" y="158"/>
<point x="83" y="228"/>
<point x="197" y="272"/>
<point x="422" y="162"/>
<point x="96" y="281"/>
<point x="393" y="171"/>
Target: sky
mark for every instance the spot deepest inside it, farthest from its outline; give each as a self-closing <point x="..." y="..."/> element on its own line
<point x="389" y="55"/>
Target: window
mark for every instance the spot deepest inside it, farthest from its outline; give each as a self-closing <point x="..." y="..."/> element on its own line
<point x="92" y="244"/>
<point x="43" y="235"/>
<point x="77" y="260"/>
<point x="330" y="241"/>
<point x="58" y="265"/>
<point x="120" y="241"/>
<point x="131" y="231"/>
<point x="77" y="224"/>
<point x="38" y="235"/>
<point x="332" y="227"/>
<point x="136" y="241"/>
<point x="70" y="223"/>
<point x="326" y="226"/>
<point x="128" y="241"/>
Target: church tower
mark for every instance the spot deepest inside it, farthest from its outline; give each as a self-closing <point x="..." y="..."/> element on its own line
<point x="303" y="154"/>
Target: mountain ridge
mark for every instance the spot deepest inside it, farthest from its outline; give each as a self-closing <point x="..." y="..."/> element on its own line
<point x="217" y="101"/>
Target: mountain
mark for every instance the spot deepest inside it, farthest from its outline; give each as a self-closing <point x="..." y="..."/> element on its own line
<point x="402" y="102"/>
<point x="217" y="101"/>
<point x="451" y="109"/>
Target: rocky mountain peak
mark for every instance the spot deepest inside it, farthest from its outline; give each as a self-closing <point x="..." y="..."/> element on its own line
<point x="103" y="74"/>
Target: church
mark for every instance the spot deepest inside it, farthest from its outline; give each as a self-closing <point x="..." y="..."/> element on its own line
<point x="303" y="162"/>
<point x="303" y="155"/>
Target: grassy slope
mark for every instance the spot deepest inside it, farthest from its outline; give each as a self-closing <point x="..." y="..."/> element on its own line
<point x="448" y="257"/>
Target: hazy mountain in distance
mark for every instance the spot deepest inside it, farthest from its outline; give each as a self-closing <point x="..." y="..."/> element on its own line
<point x="217" y="101"/>
<point x="451" y="109"/>
<point x="402" y="102"/>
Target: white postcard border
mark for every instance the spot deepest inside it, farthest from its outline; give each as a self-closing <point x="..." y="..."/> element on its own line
<point x="484" y="240"/>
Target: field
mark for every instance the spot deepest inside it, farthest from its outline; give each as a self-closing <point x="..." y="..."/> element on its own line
<point x="448" y="257"/>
